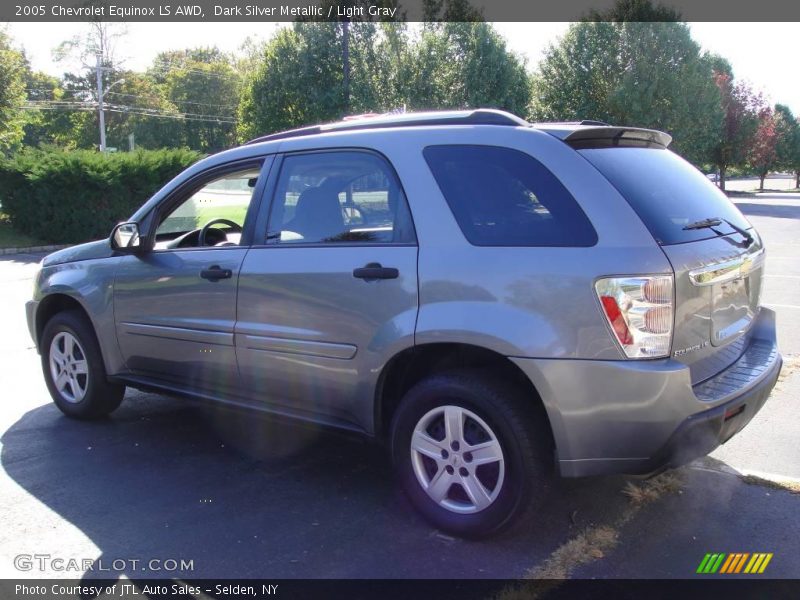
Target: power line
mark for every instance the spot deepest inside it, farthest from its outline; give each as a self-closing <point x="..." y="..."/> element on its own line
<point x="166" y="67"/>
<point x="151" y="98"/>
<point x="177" y="116"/>
<point x="131" y="110"/>
<point x="171" y="101"/>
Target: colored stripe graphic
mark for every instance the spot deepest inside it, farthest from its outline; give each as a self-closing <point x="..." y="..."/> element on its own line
<point x="729" y="563"/>
<point x="703" y="563"/>
<point x="711" y="563"/>
<point x="741" y="562"/>
<point x="765" y="563"/>
<point x="734" y="563"/>
<point x="757" y="558"/>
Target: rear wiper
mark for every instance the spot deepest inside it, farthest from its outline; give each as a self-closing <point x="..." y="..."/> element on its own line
<point x="748" y="239"/>
<point x="716" y="221"/>
<point x="704" y="223"/>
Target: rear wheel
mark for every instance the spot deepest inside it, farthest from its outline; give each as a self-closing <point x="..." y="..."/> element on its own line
<point x="73" y="368"/>
<point x="470" y="451"/>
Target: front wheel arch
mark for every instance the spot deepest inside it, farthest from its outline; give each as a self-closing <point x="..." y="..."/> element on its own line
<point x="50" y="306"/>
<point x="80" y="362"/>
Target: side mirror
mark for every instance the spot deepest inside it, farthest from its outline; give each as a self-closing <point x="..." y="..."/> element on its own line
<point x="125" y="238"/>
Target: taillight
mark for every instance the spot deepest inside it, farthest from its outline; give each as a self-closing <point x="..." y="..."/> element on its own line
<point x="639" y="311"/>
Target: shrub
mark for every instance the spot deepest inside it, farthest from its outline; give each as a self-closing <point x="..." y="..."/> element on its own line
<point x="75" y="196"/>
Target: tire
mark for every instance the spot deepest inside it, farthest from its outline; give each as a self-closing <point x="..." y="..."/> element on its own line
<point x="69" y="348"/>
<point x="493" y="415"/>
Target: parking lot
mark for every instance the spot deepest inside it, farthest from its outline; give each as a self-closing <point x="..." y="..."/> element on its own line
<point x="242" y="496"/>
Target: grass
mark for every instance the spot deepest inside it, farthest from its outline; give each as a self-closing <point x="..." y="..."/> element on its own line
<point x="593" y="543"/>
<point x="788" y="485"/>
<point x="10" y="238"/>
<point x="589" y="545"/>
<point x="652" y="489"/>
<point x="791" y="365"/>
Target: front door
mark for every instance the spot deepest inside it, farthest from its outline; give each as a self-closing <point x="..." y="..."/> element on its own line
<point x="175" y="306"/>
<point x="331" y="289"/>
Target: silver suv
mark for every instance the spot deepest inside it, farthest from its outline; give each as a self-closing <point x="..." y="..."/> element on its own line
<point x="492" y="299"/>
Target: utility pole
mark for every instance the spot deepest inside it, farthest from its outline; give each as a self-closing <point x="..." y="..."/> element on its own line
<point x="346" y="62"/>
<point x="101" y="112"/>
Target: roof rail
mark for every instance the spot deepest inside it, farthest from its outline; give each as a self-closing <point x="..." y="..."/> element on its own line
<point x="594" y="122"/>
<point x="482" y="116"/>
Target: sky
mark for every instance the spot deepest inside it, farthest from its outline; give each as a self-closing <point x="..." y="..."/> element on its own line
<point x="761" y="53"/>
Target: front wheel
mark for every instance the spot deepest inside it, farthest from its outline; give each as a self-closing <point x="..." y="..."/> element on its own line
<point x="73" y="368"/>
<point x="470" y="452"/>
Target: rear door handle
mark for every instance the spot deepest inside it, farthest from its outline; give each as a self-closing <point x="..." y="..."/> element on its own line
<point x="215" y="273"/>
<point x="375" y="270"/>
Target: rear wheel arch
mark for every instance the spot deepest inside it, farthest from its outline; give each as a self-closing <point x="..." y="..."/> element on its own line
<point x="411" y="365"/>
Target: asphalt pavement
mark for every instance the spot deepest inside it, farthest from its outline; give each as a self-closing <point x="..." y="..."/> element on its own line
<point x="244" y="496"/>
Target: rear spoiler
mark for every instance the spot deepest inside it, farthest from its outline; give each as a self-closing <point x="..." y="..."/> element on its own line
<point x="587" y="136"/>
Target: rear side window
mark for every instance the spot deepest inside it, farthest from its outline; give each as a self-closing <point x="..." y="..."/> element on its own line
<point x="666" y="192"/>
<point x="504" y="197"/>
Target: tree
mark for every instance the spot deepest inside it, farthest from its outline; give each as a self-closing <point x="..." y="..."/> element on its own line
<point x="12" y="95"/>
<point x="632" y="73"/>
<point x="99" y="39"/>
<point x="788" y="146"/>
<point x="454" y="11"/>
<point x="763" y="153"/>
<point x="450" y="65"/>
<point x="636" y="11"/>
<point x="578" y="75"/>
<point x="299" y="81"/>
<point x="139" y="106"/>
<point x="466" y="65"/>
<point x="46" y="125"/>
<point x="740" y="107"/>
<point x="98" y="43"/>
<point x="203" y="86"/>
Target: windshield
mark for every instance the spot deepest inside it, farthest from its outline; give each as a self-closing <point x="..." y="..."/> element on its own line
<point x="667" y="193"/>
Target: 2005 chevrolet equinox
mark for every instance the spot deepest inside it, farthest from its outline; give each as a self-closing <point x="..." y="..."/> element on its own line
<point x="487" y="296"/>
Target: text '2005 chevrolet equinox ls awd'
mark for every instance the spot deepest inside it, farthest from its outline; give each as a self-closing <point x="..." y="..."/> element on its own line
<point x="489" y="297"/>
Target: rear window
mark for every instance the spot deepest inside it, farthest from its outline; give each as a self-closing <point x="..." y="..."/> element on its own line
<point x="666" y="192"/>
<point x="504" y="197"/>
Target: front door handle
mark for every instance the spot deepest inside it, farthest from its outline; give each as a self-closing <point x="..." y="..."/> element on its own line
<point x="215" y="273"/>
<point x="375" y="270"/>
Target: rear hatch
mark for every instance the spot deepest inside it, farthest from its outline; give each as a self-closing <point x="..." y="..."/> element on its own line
<point x="716" y="254"/>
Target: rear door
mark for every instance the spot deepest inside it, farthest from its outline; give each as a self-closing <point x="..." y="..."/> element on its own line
<point x="331" y="288"/>
<point x="716" y="254"/>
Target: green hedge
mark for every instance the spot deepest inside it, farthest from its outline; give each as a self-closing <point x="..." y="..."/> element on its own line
<point x="75" y="196"/>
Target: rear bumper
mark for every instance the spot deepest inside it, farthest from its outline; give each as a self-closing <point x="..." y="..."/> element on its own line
<point x="640" y="417"/>
<point x="701" y="433"/>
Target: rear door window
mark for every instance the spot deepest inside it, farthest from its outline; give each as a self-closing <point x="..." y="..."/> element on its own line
<point x="504" y="197"/>
<point x="667" y="193"/>
<point x="342" y="196"/>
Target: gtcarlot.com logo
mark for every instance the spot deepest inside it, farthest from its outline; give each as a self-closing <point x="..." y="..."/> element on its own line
<point x="48" y="562"/>
<point x="738" y="562"/>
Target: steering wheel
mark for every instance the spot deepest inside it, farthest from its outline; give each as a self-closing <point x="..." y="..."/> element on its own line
<point x="201" y="240"/>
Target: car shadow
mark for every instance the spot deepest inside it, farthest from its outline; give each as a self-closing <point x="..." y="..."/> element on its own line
<point x="243" y="496"/>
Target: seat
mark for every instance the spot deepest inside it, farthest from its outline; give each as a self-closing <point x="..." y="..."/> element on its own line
<point x="317" y="216"/>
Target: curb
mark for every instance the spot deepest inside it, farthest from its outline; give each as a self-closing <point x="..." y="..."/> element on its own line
<point x="31" y="249"/>
<point x="704" y="465"/>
